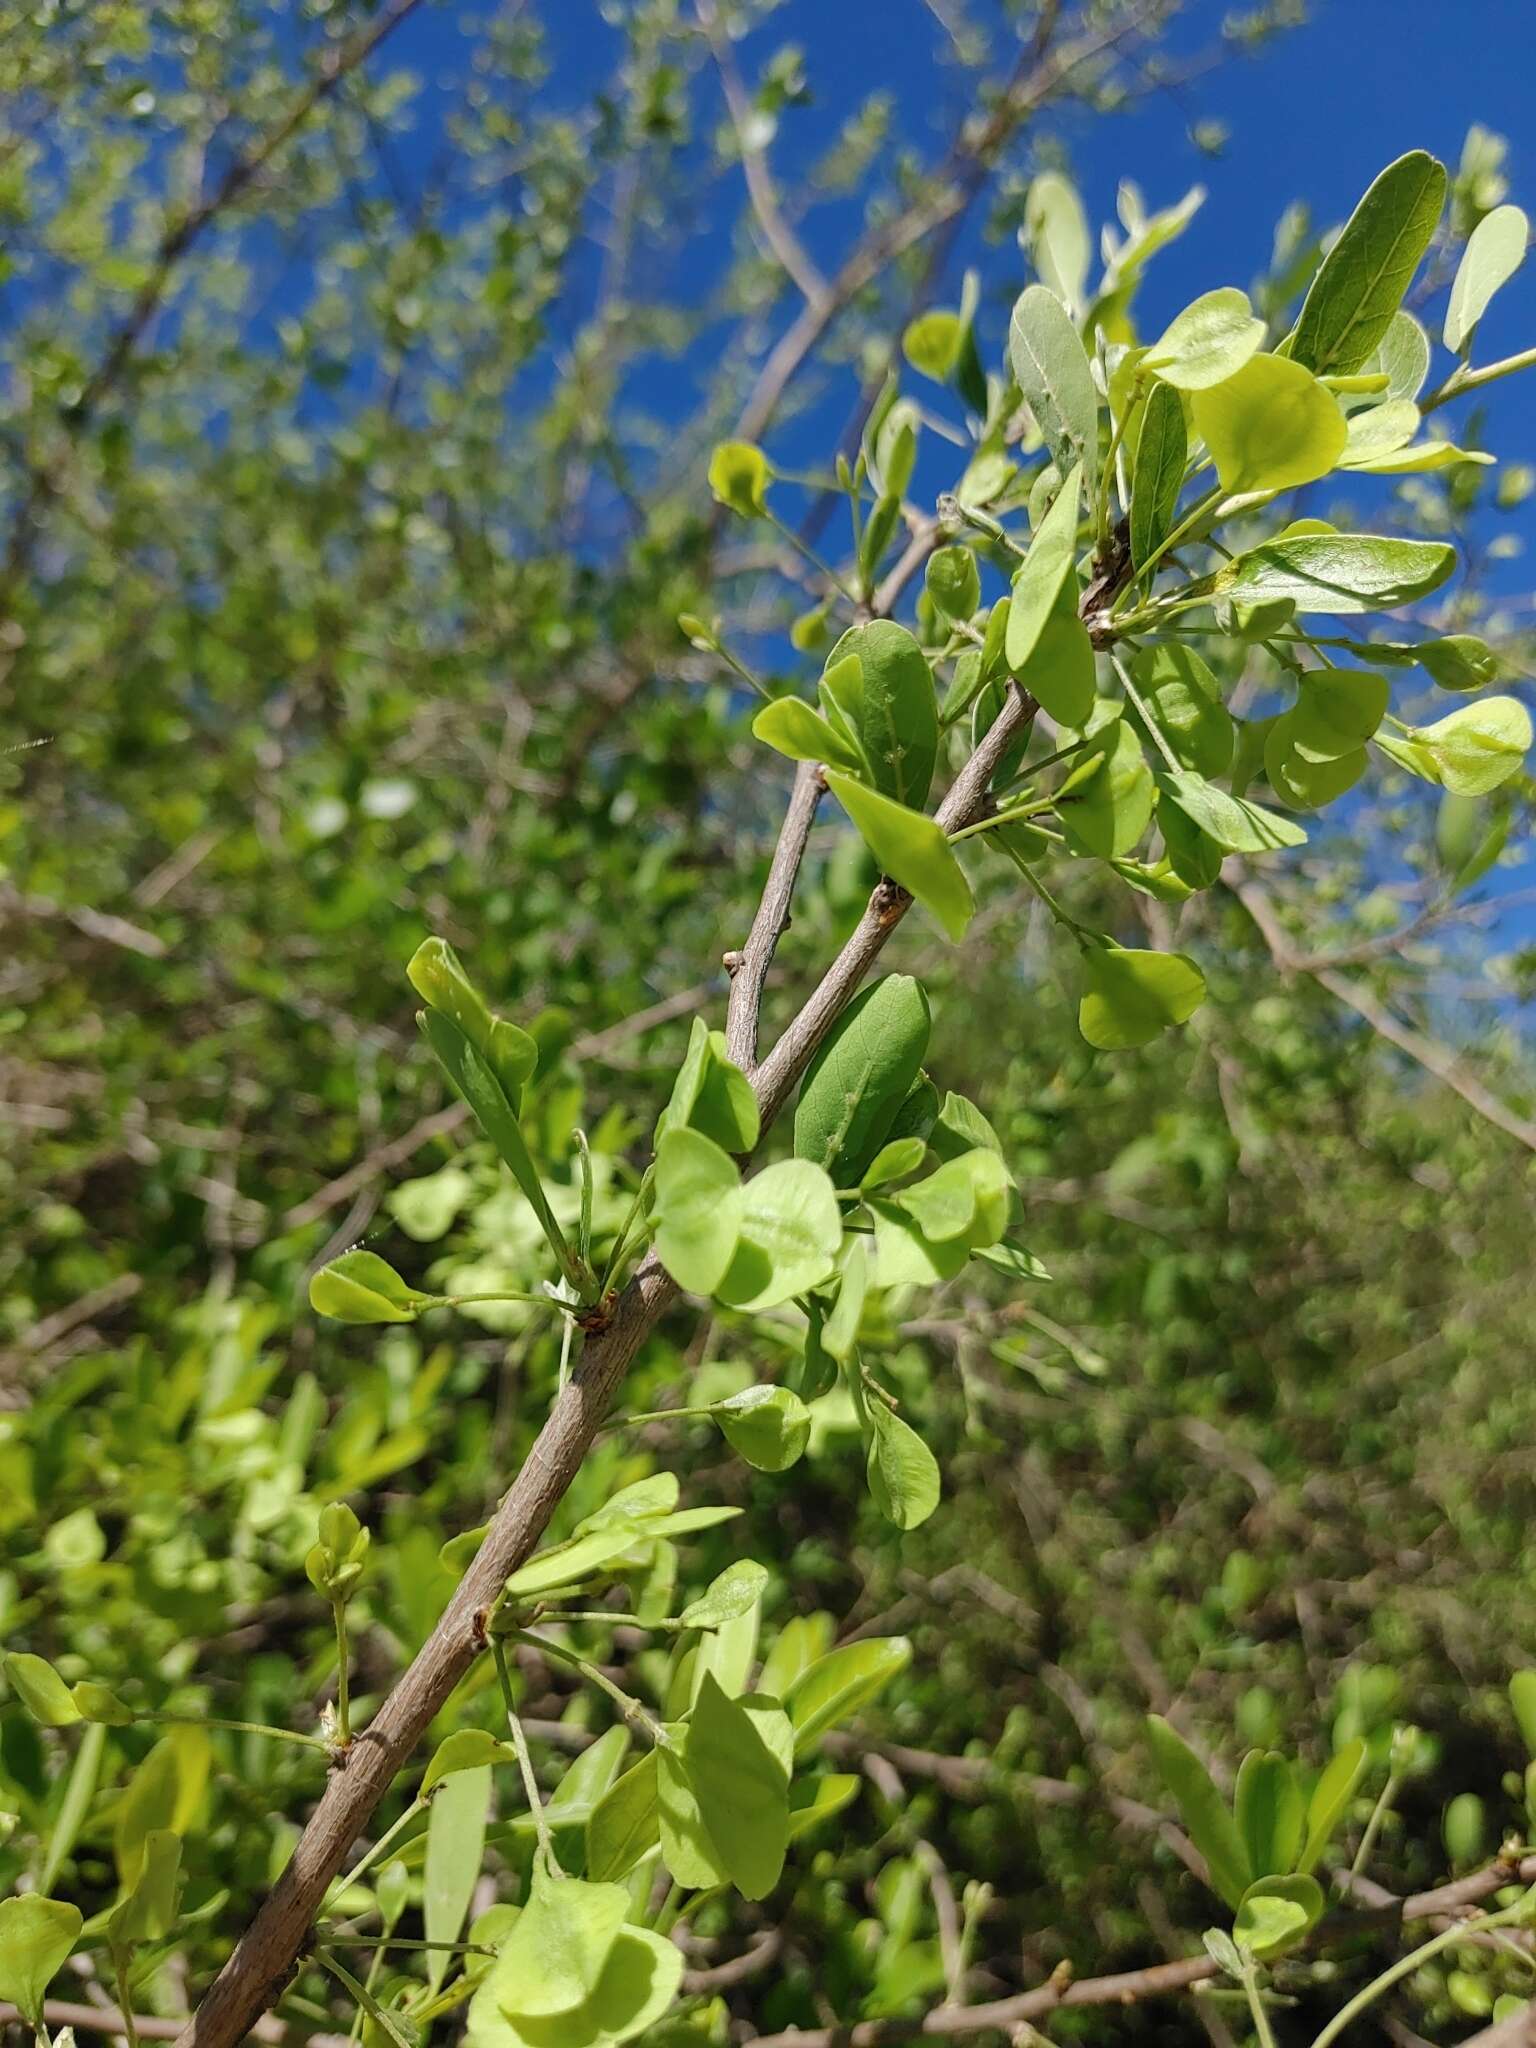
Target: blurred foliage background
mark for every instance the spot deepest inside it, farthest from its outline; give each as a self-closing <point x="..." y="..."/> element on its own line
<point x="347" y="521"/>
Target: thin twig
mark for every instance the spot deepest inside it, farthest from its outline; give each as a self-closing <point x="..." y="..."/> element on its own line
<point x="749" y="968"/>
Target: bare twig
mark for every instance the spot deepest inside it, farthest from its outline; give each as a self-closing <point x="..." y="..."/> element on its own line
<point x="777" y="232"/>
<point x="749" y="969"/>
<point x="1427" y="1052"/>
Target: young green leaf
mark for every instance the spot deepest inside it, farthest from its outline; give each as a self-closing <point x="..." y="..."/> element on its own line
<point x="1270" y="426"/>
<point x="768" y="1426"/>
<point x="41" y="1690"/>
<point x="737" y="1589"/>
<point x="1460" y="661"/>
<point x="1185" y="698"/>
<point x="791" y="1233"/>
<point x="738" y="1763"/>
<point x="36" y="1937"/>
<point x="912" y="850"/>
<point x="861" y="1075"/>
<point x="1050" y="367"/>
<point x="835" y="1686"/>
<point x="791" y="727"/>
<point x="1236" y="824"/>
<point x="1338" y="572"/>
<point x="711" y="1094"/>
<point x="1522" y="1697"/>
<point x="1495" y="251"/>
<point x="1039" y="578"/>
<point x="1206" y="1819"/>
<point x="1206" y="343"/>
<point x="903" y="1473"/>
<point x="1276" y="1914"/>
<point x="953" y="581"/>
<point x="467" y="1749"/>
<point x="1108" y="810"/>
<point x="1060" y="674"/>
<point x="738" y="476"/>
<point x="1361" y="282"/>
<point x="1477" y="747"/>
<point x="1270" y="1812"/>
<point x="696" y="1209"/>
<point x="1157" y="475"/>
<point x="148" y="1910"/>
<point x="1330" y="1799"/>
<point x="556" y="1952"/>
<point x="625" y="1823"/>
<point x="1055" y="233"/>
<point x="889" y="706"/>
<point x="893" y="1162"/>
<point x="1402" y="356"/>
<point x="360" y="1287"/>
<point x="1133" y="995"/>
<point x="455" y="1844"/>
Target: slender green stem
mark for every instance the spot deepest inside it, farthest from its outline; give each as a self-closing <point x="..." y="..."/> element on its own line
<point x="668" y="1910"/>
<point x="810" y="555"/>
<point x="1191" y="519"/>
<point x="1062" y="917"/>
<point x="125" y="1996"/>
<point x="381" y="1941"/>
<point x="365" y="1998"/>
<point x="1106" y="474"/>
<point x="531" y="1790"/>
<point x="1379" y="1813"/>
<point x="1151" y="724"/>
<point x="375" y="1855"/>
<point x="621" y="1242"/>
<point x="650" y="1415"/>
<point x="1406" y="1965"/>
<point x="239" y="1728"/>
<point x="1261" y="2024"/>
<point x="343" y="1675"/>
<point x="1465" y="378"/>
<point x="634" y="1712"/>
<point x="1018" y="813"/>
<point x="504" y="1294"/>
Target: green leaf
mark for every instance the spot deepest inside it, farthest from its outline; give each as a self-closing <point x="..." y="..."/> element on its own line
<point x="1330" y="1799"/>
<point x="438" y="977"/>
<point x="99" y="1704"/>
<point x="1460" y="661"/>
<point x="1276" y="1914"/>
<point x="860" y="1076"/>
<point x="1050" y="367"/>
<point x="1361" y="282"/>
<point x="148" y="1913"/>
<point x="932" y="343"/>
<point x="1060" y="674"/>
<point x="556" y="1952"/>
<point x="903" y="1473"/>
<point x="911" y="849"/>
<point x="813" y="1800"/>
<point x="468" y="1749"/>
<point x="1495" y="251"/>
<point x="566" y="1564"/>
<point x="1337" y="710"/>
<point x="1236" y="824"/>
<point x="791" y="1233"/>
<point x="790" y="726"/>
<point x="1133" y="995"/>
<point x="893" y="1162"/>
<point x="481" y="1088"/>
<point x="1308" y="780"/>
<point x="1270" y="1812"/>
<point x="737" y="1589"/>
<point x="1185" y="698"/>
<point x="904" y="1257"/>
<point x="768" y="1426"/>
<point x="966" y="1198"/>
<point x="41" y="1690"/>
<point x="625" y="1822"/>
<point x="687" y="1849"/>
<point x="1055" y="232"/>
<point x="841" y="1330"/>
<point x="1107" y="812"/>
<point x="1270" y="426"/>
<point x="1038" y="580"/>
<point x="36" y="1937"/>
<point x="1402" y="356"/>
<point x="738" y="476"/>
<point x="953" y="581"/>
<point x="712" y="1095"/>
<point x="638" y="1983"/>
<point x="1477" y="747"/>
<point x="1157" y="475"/>
<point x="738" y="1764"/>
<point x="455" y="1844"/>
<point x="1206" y="1819"/>
<point x="1207" y="343"/>
<point x="360" y="1287"/>
<point x="1522" y="1697"/>
<point x="696" y="1209"/>
<point x="1339" y="572"/>
<point x="837" y="1685"/>
<point x="889" y="705"/>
